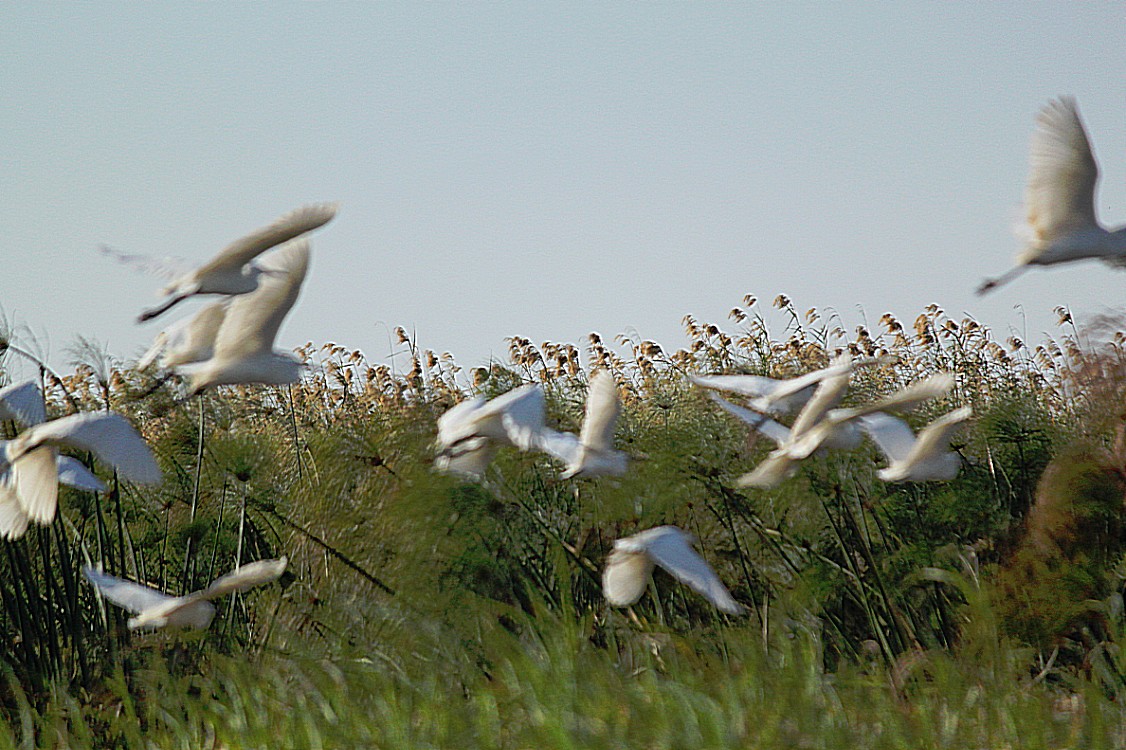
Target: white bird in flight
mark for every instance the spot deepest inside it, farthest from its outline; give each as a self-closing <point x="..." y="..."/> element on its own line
<point x="631" y="562"/>
<point x="154" y="609"/>
<point x="470" y="432"/>
<point x="592" y="452"/>
<point x="32" y="466"/>
<point x="243" y="350"/>
<point x="23" y="403"/>
<point x="818" y="425"/>
<point x="1059" y="198"/>
<point x="231" y="271"/>
<point x="916" y="459"/>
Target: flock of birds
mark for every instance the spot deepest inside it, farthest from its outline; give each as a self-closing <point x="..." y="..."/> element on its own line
<point x="232" y="342"/>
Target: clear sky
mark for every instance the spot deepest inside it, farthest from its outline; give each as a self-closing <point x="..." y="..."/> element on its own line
<point x="518" y="168"/>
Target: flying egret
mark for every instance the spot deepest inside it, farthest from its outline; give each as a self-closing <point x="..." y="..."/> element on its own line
<point x="244" y="342"/>
<point x="592" y="452"/>
<point x="154" y="609"/>
<point x="771" y="396"/>
<point x="470" y="432"/>
<point x="232" y="271"/>
<point x="924" y="458"/>
<point x="819" y="426"/>
<point x="31" y="460"/>
<point x="630" y="566"/>
<point x="1061" y="225"/>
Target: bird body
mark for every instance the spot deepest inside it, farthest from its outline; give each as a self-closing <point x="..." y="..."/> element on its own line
<point x="154" y="609"/>
<point x="244" y="339"/>
<point x="188" y="340"/>
<point x="592" y="452"/>
<point x="1061" y="224"/>
<point x="469" y="432"/>
<point x="631" y="562"/>
<point x="232" y="271"/>
<point x="922" y="458"/>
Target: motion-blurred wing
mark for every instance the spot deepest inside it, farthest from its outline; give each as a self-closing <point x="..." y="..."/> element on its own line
<point x="108" y="436"/>
<point x="245" y="577"/>
<point x="602" y="409"/>
<point x="1060" y="194"/>
<point x="23" y="402"/>
<point x="777" y="432"/>
<point x="126" y="594"/>
<point x="890" y="434"/>
<point x="673" y="553"/>
<point x="291" y="225"/>
<point x="73" y="473"/>
<point x="935" y="437"/>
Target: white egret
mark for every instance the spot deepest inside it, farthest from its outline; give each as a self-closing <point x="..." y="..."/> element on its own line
<point x="232" y="271"/>
<point x="470" y="432"/>
<point x="154" y="609"/>
<point x="924" y="458"/>
<point x="592" y="452"/>
<point x="630" y="566"/>
<point x="818" y="426"/>
<point x="1061" y="224"/>
<point x="244" y="342"/>
<point x="31" y="460"/>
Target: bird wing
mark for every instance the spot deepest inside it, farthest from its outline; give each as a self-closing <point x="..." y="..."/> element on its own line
<point x="188" y="340"/>
<point x="625" y="576"/>
<point x="167" y="268"/>
<point x="776" y="431"/>
<point x="73" y="473"/>
<point x="602" y="409"/>
<point x="771" y="471"/>
<point x="1060" y="194"/>
<point x="131" y="596"/>
<point x="253" y="319"/>
<point x="904" y="399"/>
<point x="108" y="436"/>
<point x="458" y="422"/>
<point x="561" y="445"/>
<point x="935" y="437"/>
<point x="291" y="225"/>
<point x="245" y="577"/>
<point x="672" y="551"/>
<point x="828" y="394"/>
<point x="752" y="386"/>
<point x="521" y="413"/>
<point x="469" y="458"/>
<point x="35" y="479"/>
<point x="891" y="434"/>
<point x="23" y="402"/>
<point x="13" y="518"/>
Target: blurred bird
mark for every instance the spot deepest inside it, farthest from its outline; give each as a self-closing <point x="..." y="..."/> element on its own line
<point x="32" y="466"/>
<point x="232" y="271"/>
<point x="23" y="403"/>
<point x="818" y="426"/>
<point x="592" y="453"/>
<point x="156" y="610"/>
<point x="470" y="432"/>
<point x="243" y="351"/>
<point x="1059" y="198"/>
<point x="916" y="459"/>
<point x="631" y="562"/>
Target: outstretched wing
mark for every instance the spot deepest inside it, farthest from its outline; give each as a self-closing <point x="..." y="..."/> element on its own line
<point x="1060" y="194"/>
<point x="672" y="552"/>
<point x="776" y="431"/>
<point x="23" y="402"/>
<point x="935" y="437"/>
<point x="131" y="596"/>
<point x="602" y="410"/>
<point x="73" y="473"/>
<point x="245" y="577"/>
<point x="890" y="434"/>
<point x="108" y="436"/>
<point x="291" y="225"/>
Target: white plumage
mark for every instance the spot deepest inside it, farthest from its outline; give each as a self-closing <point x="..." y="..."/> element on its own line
<point x="1059" y="198"/>
<point x="469" y="432"/>
<point x="154" y="609"/>
<point x="924" y="458"/>
<point x="630" y="566"/>
<point x="592" y="452"/>
<point x="23" y="403"/>
<point x="187" y="340"/>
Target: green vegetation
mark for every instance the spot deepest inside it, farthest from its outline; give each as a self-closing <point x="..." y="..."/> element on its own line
<point x="425" y="611"/>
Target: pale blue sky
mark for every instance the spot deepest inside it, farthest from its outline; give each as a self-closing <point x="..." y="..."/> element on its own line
<point x="518" y="169"/>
